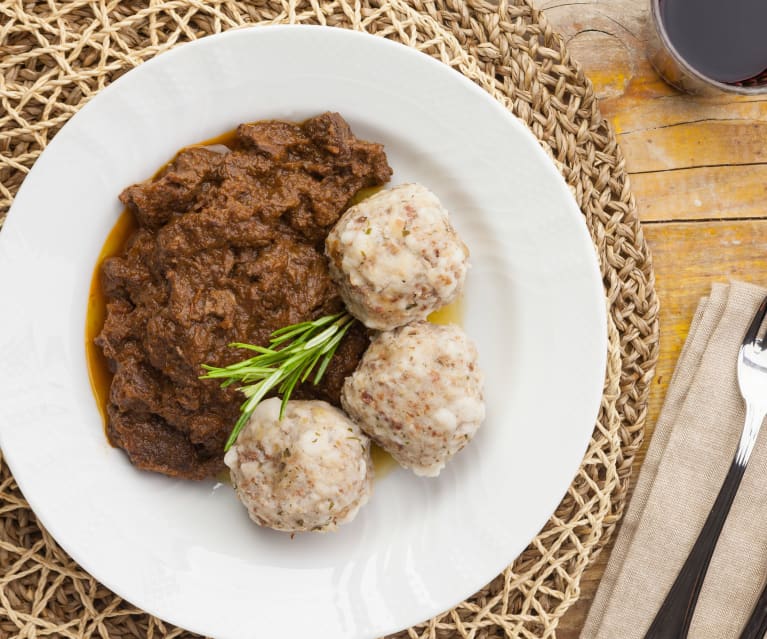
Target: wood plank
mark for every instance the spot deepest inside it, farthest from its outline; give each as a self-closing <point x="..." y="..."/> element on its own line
<point x="708" y="143"/>
<point x="702" y="192"/>
<point x="671" y="110"/>
<point x="688" y="257"/>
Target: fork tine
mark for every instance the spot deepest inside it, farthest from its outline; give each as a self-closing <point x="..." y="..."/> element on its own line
<point x="756" y="323"/>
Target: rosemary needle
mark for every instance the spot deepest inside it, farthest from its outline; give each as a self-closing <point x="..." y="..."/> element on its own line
<point x="304" y="349"/>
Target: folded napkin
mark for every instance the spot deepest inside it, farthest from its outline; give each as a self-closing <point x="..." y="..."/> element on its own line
<point x="689" y="455"/>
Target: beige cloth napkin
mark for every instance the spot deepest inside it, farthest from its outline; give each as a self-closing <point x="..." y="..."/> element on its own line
<point x="689" y="455"/>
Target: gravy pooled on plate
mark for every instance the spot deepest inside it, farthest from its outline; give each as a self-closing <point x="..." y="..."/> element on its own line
<point x="228" y="248"/>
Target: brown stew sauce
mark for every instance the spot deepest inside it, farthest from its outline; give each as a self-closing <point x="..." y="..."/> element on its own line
<point x="98" y="369"/>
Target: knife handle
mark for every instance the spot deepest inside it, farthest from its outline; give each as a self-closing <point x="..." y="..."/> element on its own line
<point x="673" y="618"/>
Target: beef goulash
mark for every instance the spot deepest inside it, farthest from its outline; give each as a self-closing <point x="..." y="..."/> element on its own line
<point x="228" y="247"/>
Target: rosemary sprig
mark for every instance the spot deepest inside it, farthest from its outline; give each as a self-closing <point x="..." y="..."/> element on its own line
<point x="294" y="352"/>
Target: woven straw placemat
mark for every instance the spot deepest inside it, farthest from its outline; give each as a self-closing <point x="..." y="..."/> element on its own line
<point x="55" y="55"/>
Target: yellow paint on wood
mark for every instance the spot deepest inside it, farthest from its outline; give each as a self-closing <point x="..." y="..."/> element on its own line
<point x="702" y="193"/>
<point x="709" y="143"/>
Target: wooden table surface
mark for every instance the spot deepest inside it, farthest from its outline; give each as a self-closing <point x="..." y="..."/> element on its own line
<point x="698" y="170"/>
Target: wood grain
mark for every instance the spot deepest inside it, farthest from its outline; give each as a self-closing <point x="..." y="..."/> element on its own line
<point x="699" y="173"/>
<point x="702" y="192"/>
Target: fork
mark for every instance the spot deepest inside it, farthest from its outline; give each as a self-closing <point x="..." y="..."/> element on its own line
<point x="673" y="618"/>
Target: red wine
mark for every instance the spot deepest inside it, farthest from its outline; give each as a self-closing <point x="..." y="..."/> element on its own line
<point x="725" y="40"/>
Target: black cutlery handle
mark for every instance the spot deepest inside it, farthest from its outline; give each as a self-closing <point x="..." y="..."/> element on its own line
<point x="675" y="614"/>
<point x="756" y="626"/>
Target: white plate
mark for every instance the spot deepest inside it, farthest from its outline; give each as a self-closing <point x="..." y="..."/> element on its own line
<point x="186" y="551"/>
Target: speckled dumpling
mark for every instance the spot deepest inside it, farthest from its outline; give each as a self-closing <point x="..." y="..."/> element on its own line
<point x="311" y="470"/>
<point x="418" y="393"/>
<point x="396" y="258"/>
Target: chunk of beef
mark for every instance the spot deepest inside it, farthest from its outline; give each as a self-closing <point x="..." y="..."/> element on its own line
<point x="175" y="190"/>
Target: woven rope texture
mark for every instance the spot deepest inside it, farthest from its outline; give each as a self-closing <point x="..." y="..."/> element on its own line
<point x="55" y="55"/>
